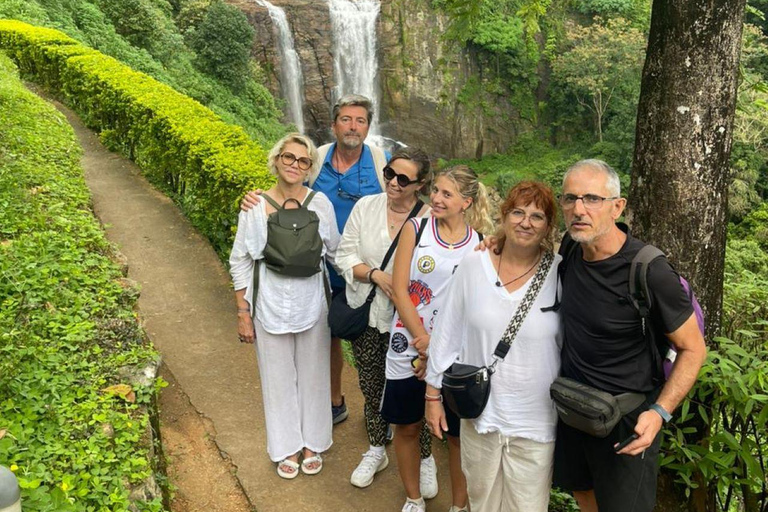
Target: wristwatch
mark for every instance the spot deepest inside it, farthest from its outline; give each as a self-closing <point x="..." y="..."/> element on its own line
<point x="661" y="411"/>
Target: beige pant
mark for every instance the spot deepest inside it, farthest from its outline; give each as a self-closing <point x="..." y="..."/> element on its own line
<point x="509" y="474"/>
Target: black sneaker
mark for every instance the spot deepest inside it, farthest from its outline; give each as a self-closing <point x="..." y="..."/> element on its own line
<point x="340" y="412"/>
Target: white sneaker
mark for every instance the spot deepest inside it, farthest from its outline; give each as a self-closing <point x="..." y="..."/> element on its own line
<point x="454" y="508"/>
<point x="371" y="464"/>
<point x="412" y="506"/>
<point x="428" y="478"/>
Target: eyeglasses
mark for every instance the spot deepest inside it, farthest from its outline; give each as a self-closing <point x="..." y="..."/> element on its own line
<point x="402" y="179"/>
<point x="590" y="201"/>
<point x="304" y="163"/>
<point x="537" y="220"/>
<point x="346" y="195"/>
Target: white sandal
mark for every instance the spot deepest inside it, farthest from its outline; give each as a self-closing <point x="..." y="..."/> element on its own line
<point x="285" y="474"/>
<point x="309" y="461"/>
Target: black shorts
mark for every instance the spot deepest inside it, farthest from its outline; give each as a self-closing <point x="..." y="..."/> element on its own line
<point x="622" y="483"/>
<point x="403" y="404"/>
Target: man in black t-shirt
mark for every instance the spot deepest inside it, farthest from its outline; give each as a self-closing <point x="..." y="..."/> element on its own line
<point x="604" y="347"/>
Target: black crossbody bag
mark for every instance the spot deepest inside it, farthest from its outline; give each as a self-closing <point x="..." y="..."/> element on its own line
<point x="349" y="323"/>
<point x="466" y="388"/>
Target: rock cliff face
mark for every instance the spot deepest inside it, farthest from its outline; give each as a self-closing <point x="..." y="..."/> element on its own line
<point x="430" y="93"/>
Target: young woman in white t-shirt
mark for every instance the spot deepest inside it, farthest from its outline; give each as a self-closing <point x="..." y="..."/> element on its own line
<point x="430" y="250"/>
<point x="507" y="452"/>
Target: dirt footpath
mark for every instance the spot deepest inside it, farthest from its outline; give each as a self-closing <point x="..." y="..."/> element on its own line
<point x="188" y="310"/>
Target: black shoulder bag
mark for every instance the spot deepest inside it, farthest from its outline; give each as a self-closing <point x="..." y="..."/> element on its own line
<point x="466" y="388"/>
<point x="347" y="322"/>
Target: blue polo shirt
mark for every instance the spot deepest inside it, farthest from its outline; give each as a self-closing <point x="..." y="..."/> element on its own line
<point x="343" y="190"/>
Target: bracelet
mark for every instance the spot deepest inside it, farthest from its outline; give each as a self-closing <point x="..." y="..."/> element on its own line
<point x="430" y="398"/>
<point x="243" y="310"/>
<point x="370" y="273"/>
<point x="665" y="415"/>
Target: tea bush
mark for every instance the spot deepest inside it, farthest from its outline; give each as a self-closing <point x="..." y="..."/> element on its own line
<point x="181" y="146"/>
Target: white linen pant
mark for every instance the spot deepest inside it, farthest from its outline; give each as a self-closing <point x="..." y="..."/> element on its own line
<point x="509" y="474"/>
<point x="296" y="385"/>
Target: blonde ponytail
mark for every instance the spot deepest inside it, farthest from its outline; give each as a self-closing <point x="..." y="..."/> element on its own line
<point x="478" y="215"/>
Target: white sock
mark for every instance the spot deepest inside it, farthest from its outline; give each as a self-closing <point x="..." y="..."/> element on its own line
<point x="419" y="502"/>
<point x="378" y="450"/>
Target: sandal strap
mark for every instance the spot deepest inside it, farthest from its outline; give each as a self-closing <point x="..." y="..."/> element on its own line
<point x="312" y="460"/>
<point x="289" y="463"/>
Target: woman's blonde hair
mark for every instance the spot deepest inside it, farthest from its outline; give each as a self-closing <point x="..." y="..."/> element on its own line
<point x="478" y="215"/>
<point x="296" y="138"/>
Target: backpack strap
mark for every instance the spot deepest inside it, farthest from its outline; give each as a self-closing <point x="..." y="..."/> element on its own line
<point x="255" y="287"/>
<point x="379" y="162"/>
<point x="640" y="296"/>
<point x="638" y="278"/>
<point x="567" y="249"/>
<point x="322" y="154"/>
<point x="309" y="198"/>
<point x="272" y="202"/>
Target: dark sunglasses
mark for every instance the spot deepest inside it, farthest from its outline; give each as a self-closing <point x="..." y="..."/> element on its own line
<point x="402" y="179"/>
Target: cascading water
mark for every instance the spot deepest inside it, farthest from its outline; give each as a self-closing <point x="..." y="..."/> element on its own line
<point x="292" y="79"/>
<point x="355" y="64"/>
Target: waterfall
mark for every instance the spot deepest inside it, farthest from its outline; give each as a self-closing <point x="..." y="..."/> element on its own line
<point x="355" y="64"/>
<point x="291" y="78"/>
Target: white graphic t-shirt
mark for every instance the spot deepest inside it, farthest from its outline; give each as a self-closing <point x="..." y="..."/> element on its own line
<point x="432" y="266"/>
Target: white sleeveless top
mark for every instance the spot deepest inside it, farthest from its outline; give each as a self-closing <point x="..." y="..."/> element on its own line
<point x="432" y="266"/>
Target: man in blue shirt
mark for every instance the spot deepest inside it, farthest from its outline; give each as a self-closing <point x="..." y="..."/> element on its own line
<point x="350" y="170"/>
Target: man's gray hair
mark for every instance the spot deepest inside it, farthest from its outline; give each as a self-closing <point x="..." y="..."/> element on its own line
<point x="353" y="100"/>
<point x="613" y="185"/>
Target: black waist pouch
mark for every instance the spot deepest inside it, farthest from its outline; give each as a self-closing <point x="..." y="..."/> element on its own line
<point x="466" y="389"/>
<point x="590" y="410"/>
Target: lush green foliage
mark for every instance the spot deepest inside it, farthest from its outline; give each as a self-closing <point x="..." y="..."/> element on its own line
<point x="180" y="145"/>
<point x="67" y="326"/>
<point x="601" y="66"/>
<point x="630" y="9"/>
<point x="729" y="403"/>
<point x="223" y="41"/>
<point x="144" y="35"/>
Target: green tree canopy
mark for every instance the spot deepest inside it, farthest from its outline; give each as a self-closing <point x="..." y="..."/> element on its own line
<point x="603" y="60"/>
<point x="223" y="43"/>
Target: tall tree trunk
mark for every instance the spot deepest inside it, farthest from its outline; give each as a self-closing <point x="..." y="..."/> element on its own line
<point x="678" y="194"/>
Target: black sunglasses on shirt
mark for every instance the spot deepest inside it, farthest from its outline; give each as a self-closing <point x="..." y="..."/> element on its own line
<point x="402" y="179"/>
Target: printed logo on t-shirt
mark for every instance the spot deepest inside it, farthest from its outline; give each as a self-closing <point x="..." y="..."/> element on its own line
<point x="399" y="342"/>
<point x="426" y="264"/>
<point x="400" y="325"/>
<point x="420" y="293"/>
<point x="432" y="321"/>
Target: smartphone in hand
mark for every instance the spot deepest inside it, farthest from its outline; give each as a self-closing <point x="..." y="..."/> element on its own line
<point x="620" y="446"/>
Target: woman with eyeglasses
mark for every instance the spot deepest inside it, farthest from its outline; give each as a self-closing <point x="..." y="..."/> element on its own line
<point x="507" y="452"/>
<point x="287" y="318"/>
<point x="373" y="226"/>
<point x="431" y="250"/>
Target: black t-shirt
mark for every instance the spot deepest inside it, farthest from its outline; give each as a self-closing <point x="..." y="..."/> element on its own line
<point x="603" y="342"/>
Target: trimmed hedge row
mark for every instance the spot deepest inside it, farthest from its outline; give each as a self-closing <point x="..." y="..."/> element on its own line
<point x="67" y="326"/>
<point x="181" y="146"/>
